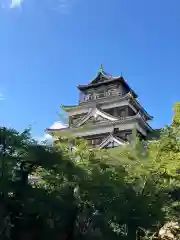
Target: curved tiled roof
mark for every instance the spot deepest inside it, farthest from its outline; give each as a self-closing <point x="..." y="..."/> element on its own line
<point x="57" y="126"/>
<point x="105" y="78"/>
<point x="94" y="112"/>
<point x="68" y="108"/>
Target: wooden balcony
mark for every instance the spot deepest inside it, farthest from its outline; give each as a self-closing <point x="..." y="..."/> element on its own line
<point x="96" y="96"/>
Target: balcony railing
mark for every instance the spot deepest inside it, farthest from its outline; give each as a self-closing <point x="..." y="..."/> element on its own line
<point x="97" y="96"/>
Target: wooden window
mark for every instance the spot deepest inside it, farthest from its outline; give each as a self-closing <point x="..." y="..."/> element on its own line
<point x="113" y="92"/>
<point x="82" y="96"/>
<point x="128" y="137"/>
<point x="116" y="130"/>
<point x="100" y="94"/>
<point x="122" y="114"/>
<point x="88" y="97"/>
<point x="96" y="141"/>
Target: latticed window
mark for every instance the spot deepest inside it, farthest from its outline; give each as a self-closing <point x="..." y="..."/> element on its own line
<point x="88" y="97"/>
<point x="122" y="114"/>
<point x="100" y="94"/>
<point x="113" y="92"/>
<point x="96" y="141"/>
<point x="128" y="137"/>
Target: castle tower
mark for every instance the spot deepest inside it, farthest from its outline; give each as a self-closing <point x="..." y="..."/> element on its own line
<point x="107" y="113"/>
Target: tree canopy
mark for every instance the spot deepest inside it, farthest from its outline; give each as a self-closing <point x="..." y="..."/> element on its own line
<point x="128" y="192"/>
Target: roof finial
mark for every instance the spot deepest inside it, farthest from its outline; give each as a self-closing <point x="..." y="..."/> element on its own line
<point x="101" y="69"/>
<point x="121" y="74"/>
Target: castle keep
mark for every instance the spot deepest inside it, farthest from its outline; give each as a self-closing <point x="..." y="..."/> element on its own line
<point x="107" y="113"/>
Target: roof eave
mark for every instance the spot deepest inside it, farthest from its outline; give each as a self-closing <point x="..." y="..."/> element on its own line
<point x="147" y="125"/>
<point x="83" y="87"/>
<point x="130" y="89"/>
<point x="149" y="117"/>
<point x="68" y="108"/>
<point x="133" y="93"/>
<point x="49" y="130"/>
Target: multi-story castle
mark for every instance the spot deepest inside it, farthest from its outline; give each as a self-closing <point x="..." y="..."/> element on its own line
<point x="110" y="110"/>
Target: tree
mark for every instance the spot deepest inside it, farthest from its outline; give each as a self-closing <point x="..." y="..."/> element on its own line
<point x="127" y="192"/>
<point x="24" y="205"/>
<point x="134" y="188"/>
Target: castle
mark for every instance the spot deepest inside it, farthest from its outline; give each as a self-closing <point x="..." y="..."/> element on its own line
<point x="107" y="113"/>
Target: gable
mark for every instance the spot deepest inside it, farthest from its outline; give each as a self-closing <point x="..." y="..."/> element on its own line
<point x="94" y="116"/>
<point x="111" y="142"/>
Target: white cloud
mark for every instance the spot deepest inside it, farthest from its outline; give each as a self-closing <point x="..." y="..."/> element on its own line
<point x="16" y="3"/>
<point x="60" y="6"/>
<point x="58" y="125"/>
<point x="1" y="97"/>
<point x="45" y="138"/>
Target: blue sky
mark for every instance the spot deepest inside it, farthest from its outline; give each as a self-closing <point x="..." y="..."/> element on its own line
<point x="47" y="47"/>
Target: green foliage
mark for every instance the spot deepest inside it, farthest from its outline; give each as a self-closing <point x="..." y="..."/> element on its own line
<point x="126" y="193"/>
<point x="132" y="187"/>
<point x="176" y="118"/>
